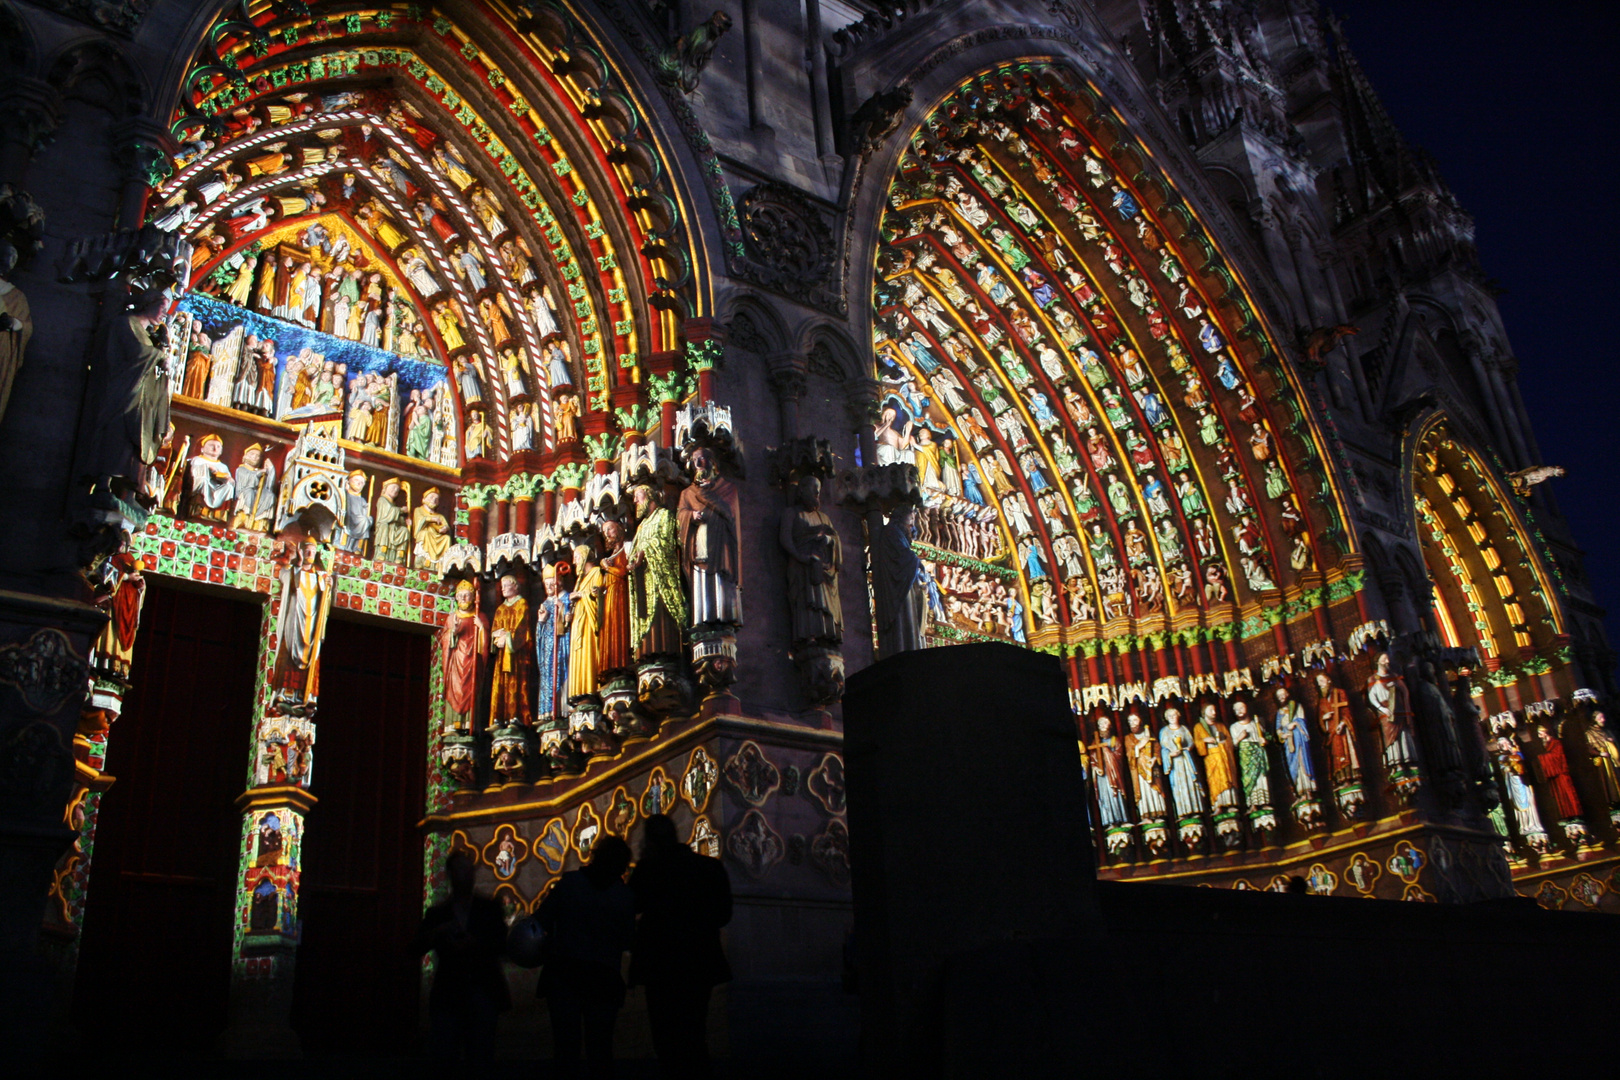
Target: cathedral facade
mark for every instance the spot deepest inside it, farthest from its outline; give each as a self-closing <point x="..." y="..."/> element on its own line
<point x="545" y="403"/>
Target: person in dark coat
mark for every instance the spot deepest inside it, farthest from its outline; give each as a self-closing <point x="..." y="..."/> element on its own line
<point x="683" y="899"/>
<point x="589" y="917"/>
<point x="466" y="935"/>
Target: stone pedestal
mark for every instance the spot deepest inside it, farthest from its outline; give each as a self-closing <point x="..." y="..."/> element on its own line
<point x="970" y="854"/>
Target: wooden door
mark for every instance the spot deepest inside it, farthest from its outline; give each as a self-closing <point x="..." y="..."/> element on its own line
<point x="356" y="988"/>
<point x="155" y="960"/>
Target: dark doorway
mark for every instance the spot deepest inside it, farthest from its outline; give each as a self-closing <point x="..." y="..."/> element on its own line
<point x="155" y="960"/>
<point x="361" y="892"/>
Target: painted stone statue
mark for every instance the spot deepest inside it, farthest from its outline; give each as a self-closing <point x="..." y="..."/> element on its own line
<point x="1386" y="695"/>
<point x="816" y="617"/>
<point x="1252" y="740"/>
<point x="1344" y="759"/>
<point x="390" y="528"/>
<point x="430" y="530"/>
<point x="815" y="557"/>
<point x="1181" y="775"/>
<point x="1213" y="742"/>
<point x="707" y="516"/>
<point x="306" y="599"/>
<point x="1604" y="753"/>
<point x="354" y="527"/>
<point x="121" y="593"/>
<point x="255" y="491"/>
<point x="1437" y="726"/>
<point x="1147" y="781"/>
<point x="1295" y="735"/>
<point x="511" y="658"/>
<point x="658" y="612"/>
<point x="131" y="416"/>
<point x="463" y="641"/>
<point x="1521" y="797"/>
<point x="212" y="486"/>
<point x="553" y="621"/>
<point x="1108" y="782"/>
<point x="585" y="642"/>
<point x="613" y="629"/>
<point x="1552" y="766"/>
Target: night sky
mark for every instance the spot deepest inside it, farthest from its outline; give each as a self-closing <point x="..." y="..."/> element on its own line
<point x="1517" y="103"/>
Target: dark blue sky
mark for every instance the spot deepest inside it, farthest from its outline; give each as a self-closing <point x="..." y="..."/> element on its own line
<point x="1518" y="104"/>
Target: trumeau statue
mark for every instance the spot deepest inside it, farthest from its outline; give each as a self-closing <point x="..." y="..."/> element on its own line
<point x="306" y="601"/>
<point x="814" y="558"/>
<point x="899" y="583"/>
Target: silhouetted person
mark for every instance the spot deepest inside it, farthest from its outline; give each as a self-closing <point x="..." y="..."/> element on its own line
<point x="466" y="934"/>
<point x="1297" y="886"/>
<point x="589" y="917"/>
<point x="683" y="899"/>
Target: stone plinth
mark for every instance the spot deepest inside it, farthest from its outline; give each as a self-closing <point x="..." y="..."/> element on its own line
<point x="971" y="853"/>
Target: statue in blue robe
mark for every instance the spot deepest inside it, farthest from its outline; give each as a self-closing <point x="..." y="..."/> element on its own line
<point x="551" y="639"/>
<point x="1180" y="766"/>
<point x="1295" y="737"/>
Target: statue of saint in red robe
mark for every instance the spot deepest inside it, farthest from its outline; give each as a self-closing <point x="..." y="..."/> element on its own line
<point x="462" y="643"/>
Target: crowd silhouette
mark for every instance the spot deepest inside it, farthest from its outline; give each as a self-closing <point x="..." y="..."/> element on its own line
<point x="667" y="917"/>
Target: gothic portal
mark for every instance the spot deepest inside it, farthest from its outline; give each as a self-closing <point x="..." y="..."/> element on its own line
<point x="574" y="391"/>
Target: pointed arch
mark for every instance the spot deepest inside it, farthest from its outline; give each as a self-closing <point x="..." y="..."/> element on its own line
<point x="1050" y="311"/>
<point x="496" y="151"/>
<point x="1494" y="587"/>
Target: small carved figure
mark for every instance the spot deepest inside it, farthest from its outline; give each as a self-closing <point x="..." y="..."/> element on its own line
<point x="255" y="491"/>
<point x="390" y="527"/>
<point x="211" y="485"/>
<point x="682" y="63"/>
<point x="430" y="530"/>
<point x="354" y="527"/>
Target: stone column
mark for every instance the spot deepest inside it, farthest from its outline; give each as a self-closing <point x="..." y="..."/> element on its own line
<point x="274" y="806"/>
<point x="43" y="642"/>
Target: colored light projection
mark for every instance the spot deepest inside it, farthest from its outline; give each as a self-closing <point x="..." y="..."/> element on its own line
<point x="1105" y="438"/>
<point x="521" y="259"/>
<point x="402" y="246"/>
<point x="1492" y="587"/>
